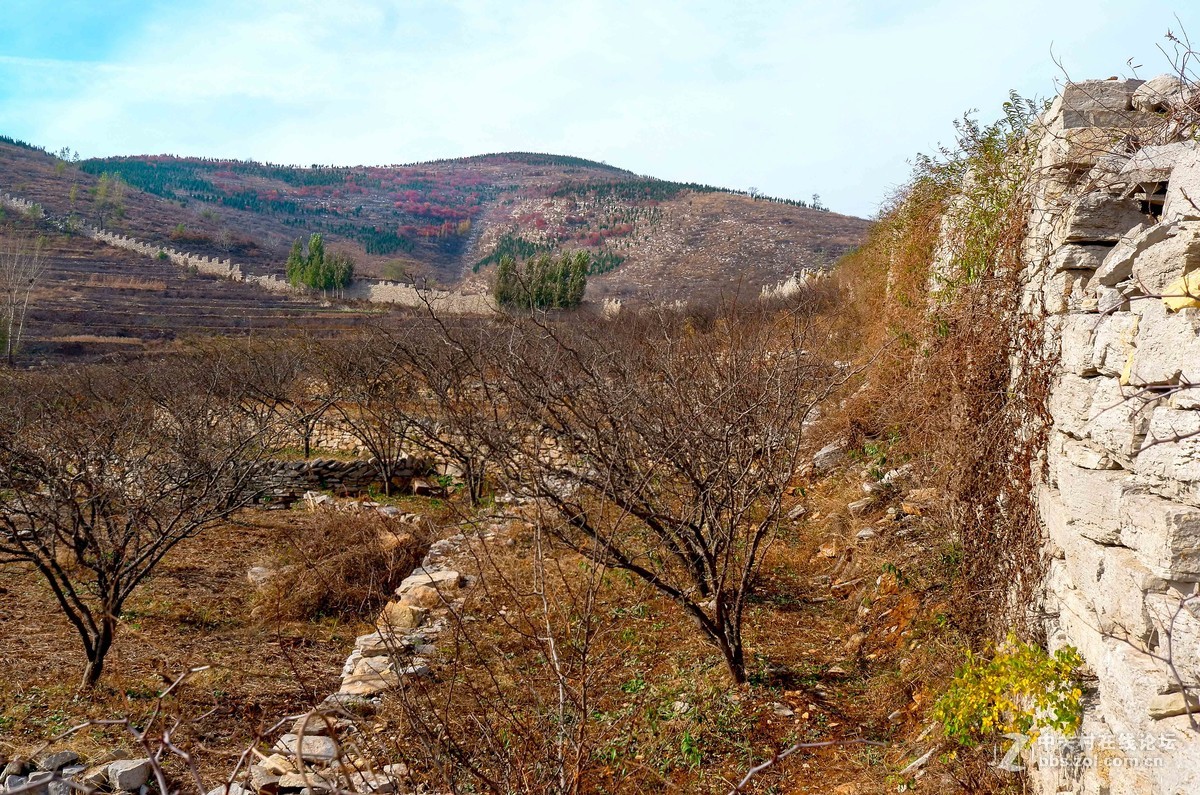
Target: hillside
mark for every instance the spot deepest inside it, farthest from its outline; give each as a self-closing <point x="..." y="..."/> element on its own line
<point x="448" y="221"/>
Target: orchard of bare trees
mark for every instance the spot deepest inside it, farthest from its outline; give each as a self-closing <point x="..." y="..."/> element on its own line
<point x="662" y="449"/>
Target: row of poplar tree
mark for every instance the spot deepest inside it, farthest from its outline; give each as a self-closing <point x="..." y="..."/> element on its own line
<point x="543" y="282"/>
<point x="316" y="269"/>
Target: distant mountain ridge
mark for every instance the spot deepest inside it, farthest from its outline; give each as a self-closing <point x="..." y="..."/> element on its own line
<point x="448" y="220"/>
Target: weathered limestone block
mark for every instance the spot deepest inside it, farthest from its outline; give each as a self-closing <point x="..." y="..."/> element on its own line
<point x="1154" y="163"/>
<point x="1165" y="535"/>
<point x="1113" y="343"/>
<point x="1183" y="190"/>
<point x="1086" y="455"/>
<point x="1090" y="499"/>
<point x="1065" y="291"/>
<point x="1110" y="583"/>
<point x="396" y="616"/>
<point x="1070" y="403"/>
<point x="1158" y="93"/>
<point x="1100" y="95"/>
<point x="311" y="749"/>
<point x="1118" y="265"/>
<point x="1118" y="418"/>
<point x="1177" y="619"/>
<point x="1159" y="265"/>
<point x="1098" y="217"/>
<point x="1166" y="346"/>
<point x="1077" y="335"/>
<point x="1171" y="449"/>
<point x="1109" y="299"/>
<point x="1078" y="257"/>
<point x="1187" y="398"/>
<point x="441" y="580"/>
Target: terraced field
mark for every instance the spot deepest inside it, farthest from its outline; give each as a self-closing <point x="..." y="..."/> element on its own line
<point x="96" y="300"/>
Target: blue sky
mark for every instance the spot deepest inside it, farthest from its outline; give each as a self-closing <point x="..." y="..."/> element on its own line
<point x="793" y="98"/>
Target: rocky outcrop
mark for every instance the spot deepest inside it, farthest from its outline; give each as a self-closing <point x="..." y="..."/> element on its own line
<point x="1112" y="238"/>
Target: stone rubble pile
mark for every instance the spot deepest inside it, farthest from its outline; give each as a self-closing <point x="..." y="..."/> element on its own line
<point x="322" y="752"/>
<point x="64" y="772"/>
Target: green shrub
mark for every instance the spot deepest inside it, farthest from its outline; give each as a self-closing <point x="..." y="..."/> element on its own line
<point x="1020" y="689"/>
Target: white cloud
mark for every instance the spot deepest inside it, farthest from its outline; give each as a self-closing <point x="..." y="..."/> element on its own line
<point x="794" y="97"/>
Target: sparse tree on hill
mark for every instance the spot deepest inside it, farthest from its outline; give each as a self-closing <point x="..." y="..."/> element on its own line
<point x="109" y="198"/>
<point x="375" y="400"/>
<point x="21" y="268"/>
<point x="665" y="452"/>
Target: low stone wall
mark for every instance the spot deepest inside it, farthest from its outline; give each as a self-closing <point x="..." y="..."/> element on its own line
<point x="1112" y="233"/>
<point x="285" y="482"/>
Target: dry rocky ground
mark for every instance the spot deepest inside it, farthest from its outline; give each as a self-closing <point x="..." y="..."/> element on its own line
<point x="851" y="632"/>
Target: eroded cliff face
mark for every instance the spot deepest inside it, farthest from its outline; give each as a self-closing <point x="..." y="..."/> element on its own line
<point x="1114" y="232"/>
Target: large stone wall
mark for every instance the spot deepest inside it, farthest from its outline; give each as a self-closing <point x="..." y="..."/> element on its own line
<point x="1112" y="232"/>
<point x="369" y="290"/>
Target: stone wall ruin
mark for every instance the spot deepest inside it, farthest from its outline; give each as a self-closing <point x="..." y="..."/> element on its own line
<point x="1114" y="232"/>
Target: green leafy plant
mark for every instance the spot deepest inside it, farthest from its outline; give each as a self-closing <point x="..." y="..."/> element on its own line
<point x="1021" y="688"/>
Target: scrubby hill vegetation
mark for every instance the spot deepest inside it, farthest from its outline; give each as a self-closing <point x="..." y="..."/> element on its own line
<point x="448" y="220"/>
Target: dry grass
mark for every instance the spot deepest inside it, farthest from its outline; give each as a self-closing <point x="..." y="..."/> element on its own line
<point x="854" y="637"/>
<point x="116" y="282"/>
<point x="93" y="339"/>
<point x="193" y="612"/>
<point x="338" y="564"/>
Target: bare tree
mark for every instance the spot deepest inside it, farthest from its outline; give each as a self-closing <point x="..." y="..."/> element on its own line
<point x="375" y="399"/>
<point x="666" y="444"/>
<point x="462" y="419"/>
<point x="285" y="385"/>
<point x="21" y="268"/>
<point x="104" y="471"/>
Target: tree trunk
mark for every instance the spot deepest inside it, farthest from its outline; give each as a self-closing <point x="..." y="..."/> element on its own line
<point x="735" y="660"/>
<point x="99" y="650"/>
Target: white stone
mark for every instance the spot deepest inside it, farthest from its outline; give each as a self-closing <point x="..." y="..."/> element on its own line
<point x="1165" y="534"/>
<point x="1118" y="418"/>
<point x="1171" y="449"/>
<point x="1100" y="95"/>
<point x="377" y="644"/>
<point x="1158" y="93"/>
<point x="441" y="580"/>
<point x="1074" y="257"/>
<point x="1183" y="190"/>
<point x="312" y="749"/>
<point x="1092" y="500"/>
<point x="1171" y="704"/>
<point x="1070" y="403"/>
<point x="1098" y="217"/>
<point x="1166" y="345"/>
<point x="129" y="774"/>
<point x="1112" y="345"/>
<point x="1118" y="265"/>
<point x="1077" y="335"/>
<point x="1158" y="265"/>
<point x="1065" y="291"/>
<point x="1086" y="455"/>
<point x="1154" y="163"/>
